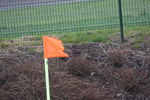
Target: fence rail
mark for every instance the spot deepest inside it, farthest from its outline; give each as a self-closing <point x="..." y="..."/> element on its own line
<point x="43" y="16"/>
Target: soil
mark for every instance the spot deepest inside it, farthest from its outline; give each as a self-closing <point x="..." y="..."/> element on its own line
<point x="94" y="71"/>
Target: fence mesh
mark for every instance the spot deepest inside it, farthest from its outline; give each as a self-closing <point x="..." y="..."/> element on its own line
<point x="35" y="17"/>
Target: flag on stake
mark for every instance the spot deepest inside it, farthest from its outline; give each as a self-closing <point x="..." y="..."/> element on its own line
<point x="52" y="48"/>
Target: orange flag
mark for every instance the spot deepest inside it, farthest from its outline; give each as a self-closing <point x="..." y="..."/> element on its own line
<point x="53" y="48"/>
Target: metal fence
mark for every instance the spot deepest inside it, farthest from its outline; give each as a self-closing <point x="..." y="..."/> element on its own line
<point x="37" y="17"/>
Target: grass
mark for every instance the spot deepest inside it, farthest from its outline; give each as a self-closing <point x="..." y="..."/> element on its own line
<point x="137" y="34"/>
<point x="70" y="16"/>
<point x="107" y="35"/>
<point x="89" y="36"/>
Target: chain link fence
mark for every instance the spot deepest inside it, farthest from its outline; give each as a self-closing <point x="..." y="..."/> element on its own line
<point x="38" y="17"/>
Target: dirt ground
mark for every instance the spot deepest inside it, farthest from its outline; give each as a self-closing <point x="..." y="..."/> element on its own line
<point x="94" y="71"/>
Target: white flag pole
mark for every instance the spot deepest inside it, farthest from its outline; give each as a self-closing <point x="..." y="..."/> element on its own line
<point x="47" y="79"/>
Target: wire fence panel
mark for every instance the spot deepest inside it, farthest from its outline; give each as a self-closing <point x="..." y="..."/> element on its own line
<point x="35" y="17"/>
<point x="136" y="12"/>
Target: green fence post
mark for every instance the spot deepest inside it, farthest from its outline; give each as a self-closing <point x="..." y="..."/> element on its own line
<point x="121" y="20"/>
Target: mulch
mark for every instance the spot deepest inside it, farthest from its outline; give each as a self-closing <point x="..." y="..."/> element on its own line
<point x="94" y="71"/>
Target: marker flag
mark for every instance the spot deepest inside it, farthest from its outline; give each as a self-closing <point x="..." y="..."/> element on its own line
<point x="53" y="48"/>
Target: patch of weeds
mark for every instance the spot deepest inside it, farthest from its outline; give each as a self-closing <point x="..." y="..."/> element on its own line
<point x="137" y="41"/>
<point x="37" y="43"/>
<point x="36" y="38"/>
<point x="4" y="45"/>
<point x="136" y="46"/>
<point x="137" y="33"/>
<point x="31" y="50"/>
<point x="32" y="43"/>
